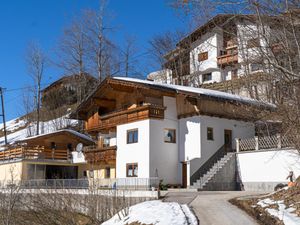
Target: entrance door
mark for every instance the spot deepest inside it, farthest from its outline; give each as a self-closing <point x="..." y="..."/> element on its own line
<point x="184" y="174"/>
<point x="228" y="140"/>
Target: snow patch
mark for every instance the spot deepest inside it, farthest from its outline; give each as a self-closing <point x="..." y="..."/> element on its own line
<point x="156" y="212"/>
<point x="283" y="213"/>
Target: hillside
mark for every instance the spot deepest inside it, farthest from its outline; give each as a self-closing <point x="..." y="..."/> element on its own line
<point x="19" y="128"/>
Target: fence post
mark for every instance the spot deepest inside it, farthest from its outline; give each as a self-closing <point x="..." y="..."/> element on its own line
<point x="256" y="143"/>
<point x="279" y="141"/>
<point x="237" y="141"/>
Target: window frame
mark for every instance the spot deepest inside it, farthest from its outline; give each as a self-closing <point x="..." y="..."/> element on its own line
<point x="174" y="137"/>
<point x="206" y="74"/>
<point x="202" y="56"/>
<point x="134" y="166"/>
<point x="107" y="172"/>
<point x="210" y="136"/>
<point x="133" y="139"/>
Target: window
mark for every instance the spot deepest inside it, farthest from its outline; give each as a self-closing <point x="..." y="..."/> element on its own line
<point x="132" y="136"/>
<point x="206" y="77"/>
<point x="107" y="172"/>
<point x="253" y="43"/>
<point x="210" y="133"/>
<point x="131" y="169"/>
<point x="202" y="56"/>
<point x="53" y="145"/>
<point x="170" y="135"/>
<point x="106" y="142"/>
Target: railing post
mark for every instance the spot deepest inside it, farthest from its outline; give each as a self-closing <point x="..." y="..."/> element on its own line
<point x="279" y="140"/>
<point x="256" y="143"/>
<point x="237" y="141"/>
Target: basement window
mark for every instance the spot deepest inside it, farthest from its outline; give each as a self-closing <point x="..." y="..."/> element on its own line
<point x="131" y="169"/>
<point x="210" y="134"/>
<point x="170" y="135"/>
<point x="132" y="136"/>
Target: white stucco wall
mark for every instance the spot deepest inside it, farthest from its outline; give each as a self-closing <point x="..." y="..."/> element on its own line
<point x="164" y="156"/>
<point x="135" y="152"/>
<point x="153" y="155"/>
<point x="263" y="170"/>
<point x="193" y="143"/>
<point x="211" y="42"/>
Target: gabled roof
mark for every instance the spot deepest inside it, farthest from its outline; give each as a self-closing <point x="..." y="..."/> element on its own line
<point x="170" y="89"/>
<point x="199" y="91"/>
<point x="58" y="132"/>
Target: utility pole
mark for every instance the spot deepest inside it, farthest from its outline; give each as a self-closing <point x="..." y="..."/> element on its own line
<point x="3" y="115"/>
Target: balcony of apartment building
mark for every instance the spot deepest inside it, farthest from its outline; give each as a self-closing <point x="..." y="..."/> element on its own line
<point x="126" y="114"/>
<point x="105" y="150"/>
<point x="229" y="55"/>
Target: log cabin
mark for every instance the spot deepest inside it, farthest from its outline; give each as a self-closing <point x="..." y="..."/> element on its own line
<point x="145" y="129"/>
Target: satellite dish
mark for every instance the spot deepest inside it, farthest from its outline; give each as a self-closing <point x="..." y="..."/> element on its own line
<point x="79" y="147"/>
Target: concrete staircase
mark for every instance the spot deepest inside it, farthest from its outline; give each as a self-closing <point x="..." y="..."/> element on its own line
<point x="221" y="176"/>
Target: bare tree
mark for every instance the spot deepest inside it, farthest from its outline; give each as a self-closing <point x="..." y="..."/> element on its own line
<point x="101" y="48"/>
<point x="36" y="61"/>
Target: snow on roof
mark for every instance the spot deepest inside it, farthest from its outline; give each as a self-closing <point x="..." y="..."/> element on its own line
<point x="80" y="135"/>
<point x="200" y="91"/>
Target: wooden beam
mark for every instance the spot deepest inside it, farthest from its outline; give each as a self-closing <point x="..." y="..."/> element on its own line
<point x="104" y="102"/>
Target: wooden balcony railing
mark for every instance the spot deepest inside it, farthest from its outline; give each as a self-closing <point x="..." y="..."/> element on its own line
<point x="106" y="154"/>
<point x="228" y="57"/>
<point x="37" y="152"/>
<point x="126" y="116"/>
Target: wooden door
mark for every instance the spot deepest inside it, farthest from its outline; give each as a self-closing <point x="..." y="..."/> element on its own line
<point x="228" y="140"/>
<point x="184" y="174"/>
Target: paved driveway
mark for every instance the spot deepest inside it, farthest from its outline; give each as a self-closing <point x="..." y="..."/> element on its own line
<point x="213" y="208"/>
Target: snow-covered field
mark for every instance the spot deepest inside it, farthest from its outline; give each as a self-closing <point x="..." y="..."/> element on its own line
<point x="155" y="212"/>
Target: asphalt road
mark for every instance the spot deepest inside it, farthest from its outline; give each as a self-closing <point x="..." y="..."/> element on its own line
<point x="213" y="208"/>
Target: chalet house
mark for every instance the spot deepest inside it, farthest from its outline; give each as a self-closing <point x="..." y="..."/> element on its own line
<point x="67" y="90"/>
<point x="45" y="156"/>
<point x="145" y="129"/>
<point x="220" y="51"/>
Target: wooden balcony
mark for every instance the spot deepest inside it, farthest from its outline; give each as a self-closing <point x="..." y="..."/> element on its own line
<point x="228" y="57"/>
<point x="119" y="117"/>
<point x="35" y="153"/>
<point x="104" y="155"/>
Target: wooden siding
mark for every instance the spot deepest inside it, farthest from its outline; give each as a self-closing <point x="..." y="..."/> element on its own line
<point x="34" y="153"/>
<point x="106" y="155"/>
<point x="113" y="119"/>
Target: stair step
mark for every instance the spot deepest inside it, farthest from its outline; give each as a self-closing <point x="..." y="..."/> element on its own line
<point x="204" y="180"/>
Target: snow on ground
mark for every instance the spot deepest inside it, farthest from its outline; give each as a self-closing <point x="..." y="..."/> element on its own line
<point x="283" y="213"/>
<point x="156" y="212"/>
<point x="13" y="124"/>
<point x="45" y="128"/>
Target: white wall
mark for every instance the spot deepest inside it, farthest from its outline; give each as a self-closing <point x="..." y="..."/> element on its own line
<point x="268" y="166"/>
<point x="133" y="153"/>
<point x="193" y="143"/>
<point x="211" y="42"/>
<point x="164" y="156"/>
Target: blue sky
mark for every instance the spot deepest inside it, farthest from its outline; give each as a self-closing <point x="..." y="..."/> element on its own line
<point x="43" y="21"/>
